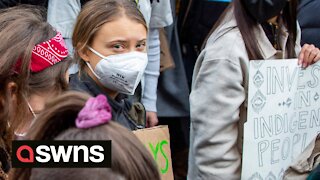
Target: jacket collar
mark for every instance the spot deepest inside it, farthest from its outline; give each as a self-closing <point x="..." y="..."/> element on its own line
<point x="267" y="49"/>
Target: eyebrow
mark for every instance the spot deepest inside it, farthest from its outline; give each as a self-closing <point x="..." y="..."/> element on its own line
<point x="142" y="40"/>
<point x="117" y="41"/>
<point x="124" y="41"/>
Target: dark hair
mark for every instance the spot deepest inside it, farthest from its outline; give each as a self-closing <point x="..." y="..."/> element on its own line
<point x="130" y="159"/>
<point x="96" y="13"/>
<point x="246" y="24"/>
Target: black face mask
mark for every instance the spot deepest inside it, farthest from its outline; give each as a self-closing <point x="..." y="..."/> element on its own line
<point x="263" y="10"/>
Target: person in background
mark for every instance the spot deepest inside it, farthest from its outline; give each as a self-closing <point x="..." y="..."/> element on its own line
<point x="109" y="41"/>
<point x="248" y="30"/>
<point x="49" y="64"/>
<point x="309" y="22"/>
<point x="173" y="98"/>
<point x="11" y="3"/>
<point x="48" y="72"/>
<point x="22" y="34"/>
<point x="12" y="83"/>
<point x="158" y="14"/>
<point x="76" y="116"/>
<point x="194" y="26"/>
<point x="63" y="16"/>
<point x="307" y="164"/>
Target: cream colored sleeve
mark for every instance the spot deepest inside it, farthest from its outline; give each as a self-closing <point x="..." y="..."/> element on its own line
<point x="215" y="100"/>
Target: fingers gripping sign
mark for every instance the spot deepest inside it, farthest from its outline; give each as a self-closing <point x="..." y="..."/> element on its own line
<point x="309" y="54"/>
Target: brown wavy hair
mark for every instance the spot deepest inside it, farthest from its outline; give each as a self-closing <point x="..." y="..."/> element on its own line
<point x="130" y="159"/>
<point x="94" y="15"/>
<point x="21" y="28"/>
<point x="24" y="27"/>
<point x="18" y="27"/>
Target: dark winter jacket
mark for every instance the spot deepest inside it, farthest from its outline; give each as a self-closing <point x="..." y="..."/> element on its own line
<point x="196" y="19"/>
<point x="309" y="19"/>
<point x="132" y="116"/>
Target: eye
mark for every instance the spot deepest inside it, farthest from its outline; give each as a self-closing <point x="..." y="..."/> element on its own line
<point x="118" y="47"/>
<point x="141" y="46"/>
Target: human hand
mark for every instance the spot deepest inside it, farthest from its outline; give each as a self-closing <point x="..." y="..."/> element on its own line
<point x="152" y="119"/>
<point x="309" y="54"/>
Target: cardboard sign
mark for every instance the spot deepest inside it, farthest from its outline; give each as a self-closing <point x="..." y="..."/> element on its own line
<point x="283" y="116"/>
<point x="157" y="141"/>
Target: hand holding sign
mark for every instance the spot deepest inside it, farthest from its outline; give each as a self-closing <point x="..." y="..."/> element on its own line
<point x="283" y="116"/>
<point x="309" y="54"/>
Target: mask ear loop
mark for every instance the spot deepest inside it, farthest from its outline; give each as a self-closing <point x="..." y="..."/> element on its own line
<point x="89" y="66"/>
<point x="34" y="115"/>
<point x="96" y="53"/>
<point x="30" y="108"/>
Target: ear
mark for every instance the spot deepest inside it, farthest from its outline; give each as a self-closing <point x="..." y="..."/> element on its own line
<point x="83" y="53"/>
<point x="12" y="88"/>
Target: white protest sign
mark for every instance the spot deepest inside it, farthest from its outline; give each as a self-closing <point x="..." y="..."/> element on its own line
<point x="283" y="116"/>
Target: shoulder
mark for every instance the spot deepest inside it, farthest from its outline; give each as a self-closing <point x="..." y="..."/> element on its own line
<point x="75" y="83"/>
<point x="226" y="46"/>
<point x="223" y="54"/>
<point x="161" y="14"/>
<point x="78" y="84"/>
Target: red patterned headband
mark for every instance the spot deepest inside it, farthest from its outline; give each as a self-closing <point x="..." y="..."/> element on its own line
<point x="48" y="53"/>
